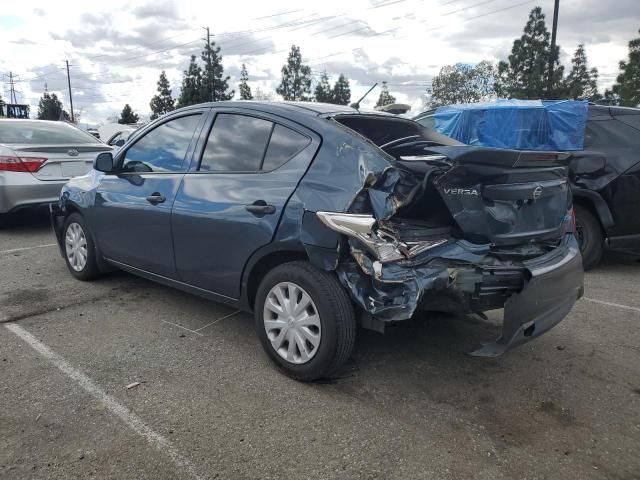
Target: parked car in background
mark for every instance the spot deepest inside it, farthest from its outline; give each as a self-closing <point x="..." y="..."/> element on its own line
<point x="37" y="157"/>
<point x="605" y="181"/>
<point x="301" y="211"/>
<point x="119" y="138"/>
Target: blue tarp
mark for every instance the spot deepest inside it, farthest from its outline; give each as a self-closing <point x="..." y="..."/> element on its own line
<point x="518" y="124"/>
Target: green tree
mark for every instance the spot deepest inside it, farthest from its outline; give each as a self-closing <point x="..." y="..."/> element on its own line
<point x="525" y="73"/>
<point x="385" y="97"/>
<point x="191" y="89"/>
<point x="245" y="89"/>
<point x="215" y="86"/>
<point x="341" y="91"/>
<point x="462" y="83"/>
<point x="582" y="83"/>
<point x="626" y="90"/>
<point x="162" y="102"/>
<point x="323" y="91"/>
<point x="49" y="107"/>
<point x="127" y="116"/>
<point x="296" y="78"/>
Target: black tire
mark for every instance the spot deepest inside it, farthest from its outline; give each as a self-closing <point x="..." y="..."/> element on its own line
<point x="90" y="269"/>
<point x="590" y="237"/>
<point x="334" y="308"/>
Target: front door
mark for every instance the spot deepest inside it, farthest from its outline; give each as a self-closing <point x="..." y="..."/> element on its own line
<point x="133" y="208"/>
<point x="230" y="203"/>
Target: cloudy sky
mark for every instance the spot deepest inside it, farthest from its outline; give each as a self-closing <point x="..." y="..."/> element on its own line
<point x="118" y="48"/>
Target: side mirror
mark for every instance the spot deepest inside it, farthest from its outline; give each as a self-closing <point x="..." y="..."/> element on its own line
<point x="104" y="162"/>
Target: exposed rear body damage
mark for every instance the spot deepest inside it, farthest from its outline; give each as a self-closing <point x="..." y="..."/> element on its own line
<point x="458" y="229"/>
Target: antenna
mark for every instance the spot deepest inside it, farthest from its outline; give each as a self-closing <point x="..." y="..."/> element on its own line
<point x="357" y="104"/>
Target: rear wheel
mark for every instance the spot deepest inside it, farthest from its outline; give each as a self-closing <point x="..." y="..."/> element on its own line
<point x="79" y="250"/>
<point x="305" y="321"/>
<point x="590" y="237"/>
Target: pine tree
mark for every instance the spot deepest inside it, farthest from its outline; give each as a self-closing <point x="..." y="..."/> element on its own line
<point x="296" y="78"/>
<point x="385" y="97"/>
<point x="127" y="116"/>
<point x="245" y="89"/>
<point x="323" y="91"/>
<point x="162" y="102"/>
<point x="49" y="107"/>
<point x="582" y="83"/>
<point x="626" y="90"/>
<point x="191" y="90"/>
<point x="341" y="91"/>
<point x="525" y="74"/>
<point x="215" y="86"/>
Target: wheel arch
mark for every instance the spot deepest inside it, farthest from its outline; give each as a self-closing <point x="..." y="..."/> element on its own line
<point x="594" y="202"/>
<point x="261" y="265"/>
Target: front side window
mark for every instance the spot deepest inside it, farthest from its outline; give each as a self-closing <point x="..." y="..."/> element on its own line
<point x="236" y="143"/>
<point x="162" y="149"/>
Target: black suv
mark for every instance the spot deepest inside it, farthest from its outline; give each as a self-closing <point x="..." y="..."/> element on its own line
<point x="605" y="179"/>
<point x="313" y="216"/>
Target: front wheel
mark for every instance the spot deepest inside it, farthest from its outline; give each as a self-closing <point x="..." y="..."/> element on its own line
<point x="305" y="321"/>
<point x="79" y="250"/>
<point x="590" y="237"/>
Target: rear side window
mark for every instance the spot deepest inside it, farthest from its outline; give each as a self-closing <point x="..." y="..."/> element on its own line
<point x="605" y="135"/>
<point x="162" y="149"/>
<point x="237" y="143"/>
<point x="633" y="120"/>
<point x="284" y="144"/>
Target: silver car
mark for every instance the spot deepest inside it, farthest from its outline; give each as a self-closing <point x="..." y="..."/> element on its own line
<point x="37" y="157"/>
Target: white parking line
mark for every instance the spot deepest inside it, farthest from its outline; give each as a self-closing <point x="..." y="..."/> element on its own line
<point x="28" y="248"/>
<point x="611" y="304"/>
<point x="184" y="328"/>
<point x="216" y="321"/>
<point x="127" y="416"/>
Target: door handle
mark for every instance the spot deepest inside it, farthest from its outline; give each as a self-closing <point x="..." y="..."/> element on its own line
<point x="156" y="198"/>
<point x="260" y="207"/>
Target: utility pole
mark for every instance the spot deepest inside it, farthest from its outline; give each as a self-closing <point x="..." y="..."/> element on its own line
<point x="552" y="56"/>
<point x="73" y="120"/>
<point x="12" y="89"/>
<point x="210" y="72"/>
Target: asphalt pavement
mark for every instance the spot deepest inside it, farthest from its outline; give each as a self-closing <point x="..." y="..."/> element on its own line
<point x="207" y="403"/>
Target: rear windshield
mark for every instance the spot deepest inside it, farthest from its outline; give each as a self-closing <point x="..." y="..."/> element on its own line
<point x="382" y="129"/>
<point x="42" y="133"/>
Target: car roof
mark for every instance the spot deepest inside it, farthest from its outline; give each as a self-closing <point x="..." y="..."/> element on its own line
<point x="315" y="109"/>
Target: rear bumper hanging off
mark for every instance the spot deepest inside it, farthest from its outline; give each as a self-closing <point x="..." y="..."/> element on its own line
<point x="556" y="284"/>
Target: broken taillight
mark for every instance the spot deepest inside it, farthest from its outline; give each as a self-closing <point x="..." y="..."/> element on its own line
<point x="16" y="164"/>
<point x="384" y="247"/>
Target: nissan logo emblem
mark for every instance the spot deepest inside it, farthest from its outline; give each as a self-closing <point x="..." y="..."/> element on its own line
<point x="537" y="192"/>
<point x="73" y="152"/>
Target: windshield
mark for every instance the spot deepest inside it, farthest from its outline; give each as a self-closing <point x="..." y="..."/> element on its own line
<point x="42" y="133"/>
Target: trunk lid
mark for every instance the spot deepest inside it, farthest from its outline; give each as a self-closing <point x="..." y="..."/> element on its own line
<point x="62" y="161"/>
<point x="501" y="197"/>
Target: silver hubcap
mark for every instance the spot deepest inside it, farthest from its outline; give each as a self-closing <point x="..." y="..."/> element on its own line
<point x="76" y="246"/>
<point x="292" y="323"/>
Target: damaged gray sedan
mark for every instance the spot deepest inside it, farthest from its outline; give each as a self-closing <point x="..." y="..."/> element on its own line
<point x="315" y="217"/>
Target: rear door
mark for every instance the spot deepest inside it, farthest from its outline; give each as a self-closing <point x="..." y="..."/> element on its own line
<point x="132" y="210"/>
<point x="230" y="202"/>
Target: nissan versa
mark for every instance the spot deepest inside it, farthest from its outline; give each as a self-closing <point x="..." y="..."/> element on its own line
<point x="314" y="215"/>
